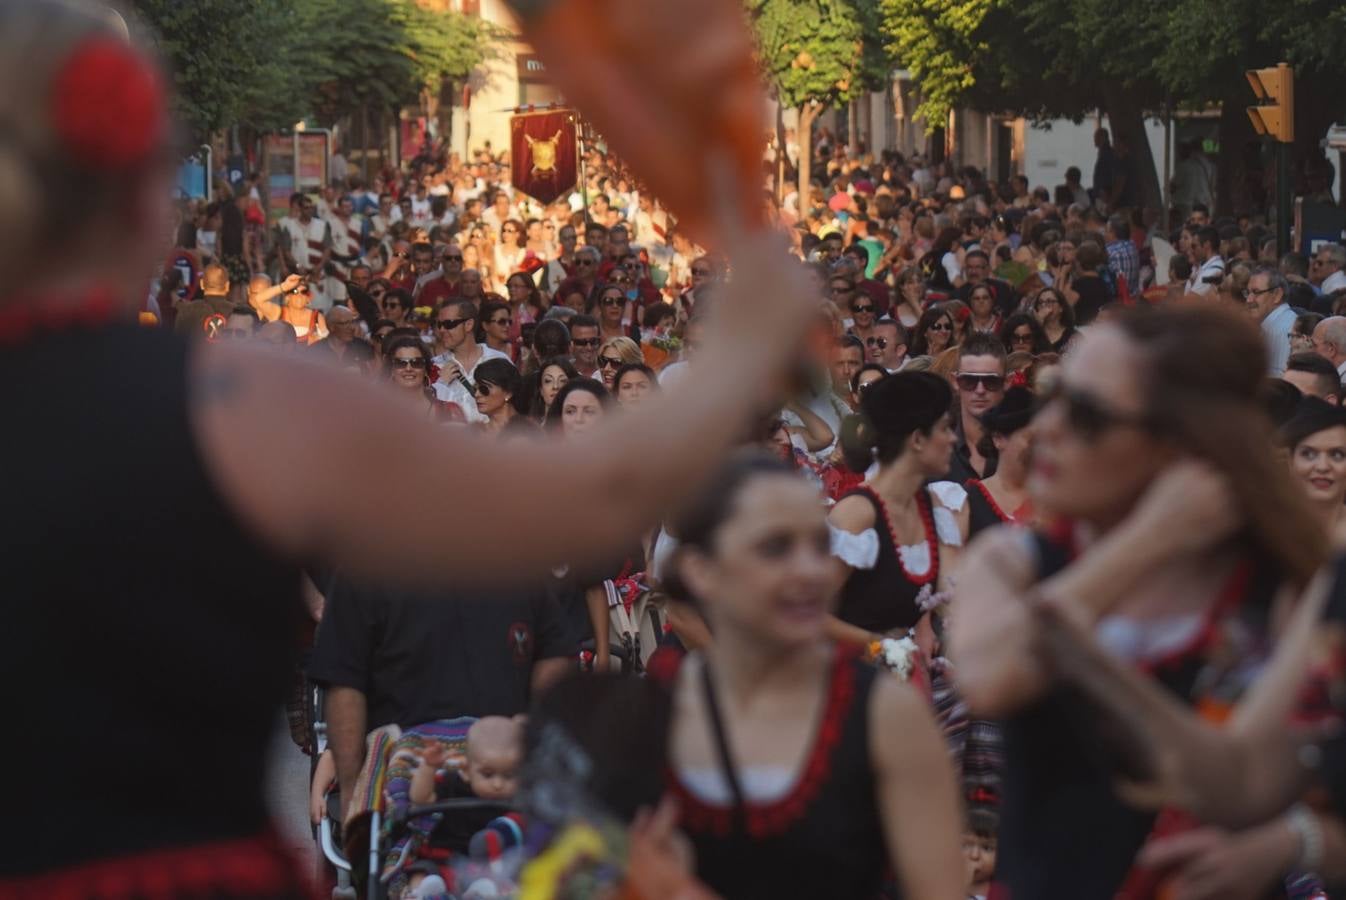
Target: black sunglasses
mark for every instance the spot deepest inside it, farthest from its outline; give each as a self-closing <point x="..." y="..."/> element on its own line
<point x="614" y="301"/>
<point x="940" y="326"/>
<point x="586" y="342"/>
<point x="969" y="381"/>
<point x="609" y="362"/>
<point x="862" y="309"/>
<point x="453" y="259"/>
<point x="1021" y="338"/>
<point x="1090" y="418"/>
<point x="505" y="322"/>
<point x="416" y="363"/>
<point x="446" y="324"/>
<point x="880" y="342"/>
<point x="483" y="388"/>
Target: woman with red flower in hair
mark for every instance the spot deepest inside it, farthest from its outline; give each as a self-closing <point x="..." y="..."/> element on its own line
<point x="196" y="642"/>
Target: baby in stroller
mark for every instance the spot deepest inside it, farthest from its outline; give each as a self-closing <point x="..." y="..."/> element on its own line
<point x="494" y="753"/>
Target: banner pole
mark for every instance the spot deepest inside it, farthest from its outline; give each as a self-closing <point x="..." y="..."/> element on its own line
<point x="584" y="181"/>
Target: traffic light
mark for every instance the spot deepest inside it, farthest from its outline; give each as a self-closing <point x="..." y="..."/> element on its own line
<point x="1276" y="118"/>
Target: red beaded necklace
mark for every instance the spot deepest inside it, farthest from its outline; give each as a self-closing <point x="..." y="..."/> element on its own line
<point x="927" y="523"/>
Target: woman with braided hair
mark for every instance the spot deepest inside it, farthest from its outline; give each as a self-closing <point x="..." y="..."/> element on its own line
<point x="196" y="642"/>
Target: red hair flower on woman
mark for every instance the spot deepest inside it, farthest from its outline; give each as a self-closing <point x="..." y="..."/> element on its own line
<point x="107" y="105"/>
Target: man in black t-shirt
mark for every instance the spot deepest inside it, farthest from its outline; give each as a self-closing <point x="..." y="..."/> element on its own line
<point x="395" y="657"/>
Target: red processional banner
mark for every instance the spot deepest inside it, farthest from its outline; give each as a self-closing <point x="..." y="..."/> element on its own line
<point x="543" y="153"/>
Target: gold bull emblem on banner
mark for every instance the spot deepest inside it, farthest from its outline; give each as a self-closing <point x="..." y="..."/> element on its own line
<point x="543" y="151"/>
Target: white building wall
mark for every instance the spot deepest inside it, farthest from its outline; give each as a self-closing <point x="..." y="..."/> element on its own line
<point x="1051" y="149"/>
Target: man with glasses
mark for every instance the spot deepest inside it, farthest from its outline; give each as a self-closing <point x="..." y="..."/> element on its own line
<point x="585" y="339"/>
<point x="343" y="330"/>
<point x="980" y="381"/>
<point x="1265" y="298"/>
<point x="444" y="282"/>
<point x="587" y="261"/>
<point x="458" y="355"/>
<point x="1328" y="264"/>
<point x="976" y="271"/>
<point x="887" y="345"/>
<point x="705" y="273"/>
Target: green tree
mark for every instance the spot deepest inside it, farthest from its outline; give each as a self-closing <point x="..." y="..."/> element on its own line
<point x="266" y="64"/>
<point x="1067" y="58"/>
<point x="817" y="54"/>
<point x="222" y="55"/>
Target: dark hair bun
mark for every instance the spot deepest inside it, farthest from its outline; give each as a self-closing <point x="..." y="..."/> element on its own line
<point x="898" y="405"/>
<point x="1014" y="411"/>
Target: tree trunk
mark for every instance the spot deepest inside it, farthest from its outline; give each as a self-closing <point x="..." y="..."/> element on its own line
<point x="808" y="114"/>
<point x="780" y="152"/>
<point x="1128" y="122"/>
<point x="852" y="129"/>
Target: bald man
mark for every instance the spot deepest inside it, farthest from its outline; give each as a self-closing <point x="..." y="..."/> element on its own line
<point x="1329" y="342"/>
<point x="263" y="296"/>
<point x="207" y="316"/>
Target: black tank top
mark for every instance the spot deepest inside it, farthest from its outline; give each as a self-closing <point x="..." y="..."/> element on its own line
<point x="883" y="598"/>
<point x="822" y="839"/>
<point x="1064" y="833"/>
<point x="149" y="638"/>
<point x="983" y="511"/>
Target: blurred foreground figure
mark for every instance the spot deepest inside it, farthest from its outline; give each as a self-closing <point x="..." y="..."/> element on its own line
<point x="153" y="558"/>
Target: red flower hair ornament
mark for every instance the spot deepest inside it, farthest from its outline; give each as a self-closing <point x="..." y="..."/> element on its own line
<point x="107" y="105"/>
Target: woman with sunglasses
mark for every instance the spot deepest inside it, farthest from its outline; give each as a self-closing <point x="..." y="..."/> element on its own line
<point x="497" y="384"/>
<point x="614" y="353"/>
<point x="868" y="374"/>
<point x="613" y="308"/>
<point x="898" y="533"/>
<point x="1057" y="318"/>
<point x="1143" y="406"/>
<point x="863" y="315"/>
<point x="1003" y="497"/>
<point x="310" y="326"/>
<point x="406" y="366"/>
<point x="933" y="333"/>
<point x="1021" y="333"/>
<point x="497" y="328"/>
<point x="397" y="305"/>
<point x="509" y="253"/>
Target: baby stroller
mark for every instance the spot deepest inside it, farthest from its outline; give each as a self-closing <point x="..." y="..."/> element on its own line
<point x="377" y="842"/>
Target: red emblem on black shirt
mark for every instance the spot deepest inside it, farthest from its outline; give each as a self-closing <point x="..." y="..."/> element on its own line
<point x="521" y="643"/>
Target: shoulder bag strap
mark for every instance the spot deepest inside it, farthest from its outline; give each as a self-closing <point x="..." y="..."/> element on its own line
<point x="722" y="749"/>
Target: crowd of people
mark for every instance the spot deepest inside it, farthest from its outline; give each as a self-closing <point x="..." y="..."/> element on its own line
<point x="948" y="539"/>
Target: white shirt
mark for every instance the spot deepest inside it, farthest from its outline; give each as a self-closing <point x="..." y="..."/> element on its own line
<point x="1334" y="282"/>
<point x="1209" y="269"/>
<point x="1276" y="332"/>
<point x="447" y="357"/>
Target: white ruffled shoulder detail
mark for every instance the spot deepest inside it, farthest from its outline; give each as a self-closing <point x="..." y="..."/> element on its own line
<point x="859" y="551"/>
<point x="950" y="493"/>
<point x="946" y="527"/>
